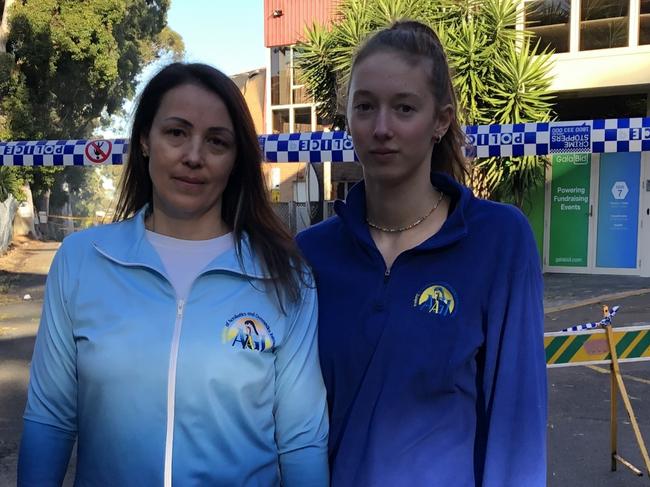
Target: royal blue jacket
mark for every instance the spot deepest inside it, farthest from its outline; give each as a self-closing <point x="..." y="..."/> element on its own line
<point x="435" y="369"/>
<point x="221" y="388"/>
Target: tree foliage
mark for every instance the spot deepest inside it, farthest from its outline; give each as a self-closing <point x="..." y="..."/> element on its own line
<point x="499" y="74"/>
<point x="83" y="188"/>
<point x="69" y="61"/>
<point x="10" y="183"/>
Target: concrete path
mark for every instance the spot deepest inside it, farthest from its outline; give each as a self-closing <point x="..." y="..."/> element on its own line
<point x="567" y="291"/>
<point x="23" y="271"/>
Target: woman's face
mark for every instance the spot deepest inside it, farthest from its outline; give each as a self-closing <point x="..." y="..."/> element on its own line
<point x="192" y="150"/>
<point x="393" y="118"/>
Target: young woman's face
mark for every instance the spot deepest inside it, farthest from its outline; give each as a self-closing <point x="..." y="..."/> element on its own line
<point x="393" y="118"/>
<point x="192" y="150"/>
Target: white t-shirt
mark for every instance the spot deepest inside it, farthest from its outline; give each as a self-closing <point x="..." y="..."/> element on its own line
<point x="185" y="259"/>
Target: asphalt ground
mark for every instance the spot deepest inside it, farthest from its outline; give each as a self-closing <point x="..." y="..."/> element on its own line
<point x="22" y="275"/>
<point x="579" y="397"/>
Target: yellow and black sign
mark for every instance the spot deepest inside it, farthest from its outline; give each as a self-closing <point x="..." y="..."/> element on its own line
<point x="585" y="347"/>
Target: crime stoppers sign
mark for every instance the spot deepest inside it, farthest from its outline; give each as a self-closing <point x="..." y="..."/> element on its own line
<point x="98" y="151"/>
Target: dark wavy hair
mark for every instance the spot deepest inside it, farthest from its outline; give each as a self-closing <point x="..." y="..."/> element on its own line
<point x="417" y="42"/>
<point x="245" y="205"/>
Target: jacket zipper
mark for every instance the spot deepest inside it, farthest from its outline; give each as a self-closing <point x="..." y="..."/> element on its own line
<point x="173" y="360"/>
<point x="171" y="392"/>
<point x="381" y="298"/>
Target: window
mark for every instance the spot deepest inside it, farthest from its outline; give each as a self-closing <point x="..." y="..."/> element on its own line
<point x="608" y="106"/>
<point x="281" y="121"/>
<point x="298" y="89"/>
<point x="300" y="94"/>
<point x="644" y="23"/>
<point x="281" y="76"/>
<point x="603" y="24"/>
<point x="291" y="108"/>
<point x="597" y="24"/>
<point x="302" y="119"/>
<point x="287" y="87"/>
<point x="549" y="20"/>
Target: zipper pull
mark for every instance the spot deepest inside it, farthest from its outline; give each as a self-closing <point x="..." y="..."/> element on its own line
<point x="179" y="308"/>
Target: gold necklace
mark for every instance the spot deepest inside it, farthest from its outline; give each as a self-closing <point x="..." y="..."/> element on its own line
<point x="407" y="227"/>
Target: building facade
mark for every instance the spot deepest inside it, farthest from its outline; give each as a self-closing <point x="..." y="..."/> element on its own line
<point x="601" y="70"/>
<point x="289" y="109"/>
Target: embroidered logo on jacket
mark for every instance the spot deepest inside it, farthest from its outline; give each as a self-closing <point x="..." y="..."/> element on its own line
<point x="248" y="331"/>
<point x="437" y="299"/>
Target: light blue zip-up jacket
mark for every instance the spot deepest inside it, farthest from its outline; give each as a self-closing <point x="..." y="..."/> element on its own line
<point x="220" y="389"/>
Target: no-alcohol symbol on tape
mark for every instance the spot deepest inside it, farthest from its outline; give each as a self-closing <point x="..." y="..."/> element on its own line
<point x="619" y="190"/>
<point x="98" y="151"/>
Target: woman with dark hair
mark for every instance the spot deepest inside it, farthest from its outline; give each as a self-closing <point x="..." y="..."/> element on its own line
<point x="178" y="344"/>
<point x="430" y="299"/>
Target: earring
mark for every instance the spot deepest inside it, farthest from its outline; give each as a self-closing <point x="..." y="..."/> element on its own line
<point x="145" y="153"/>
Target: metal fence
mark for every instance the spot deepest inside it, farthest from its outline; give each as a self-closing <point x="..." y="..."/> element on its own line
<point x="7" y="211"/>
<point x="298" y="216"/>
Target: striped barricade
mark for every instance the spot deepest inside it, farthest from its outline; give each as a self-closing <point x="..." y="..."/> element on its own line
<point x="600" y="343"/>
<point x="585" y="347"/>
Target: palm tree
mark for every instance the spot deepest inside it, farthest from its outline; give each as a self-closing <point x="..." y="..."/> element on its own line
<point x="497" y="76"/>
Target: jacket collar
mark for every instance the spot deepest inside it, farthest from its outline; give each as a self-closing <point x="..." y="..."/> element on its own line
<point x="126" y="244"/>
<point x="353" y="213"/>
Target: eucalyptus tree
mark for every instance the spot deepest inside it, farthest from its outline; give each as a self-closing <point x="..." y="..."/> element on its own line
<point x="64" y="63"/>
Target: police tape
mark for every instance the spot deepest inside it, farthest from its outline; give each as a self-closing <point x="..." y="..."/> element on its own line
<point x="584" y="136"/>
<point x="506" y="140"/>
<point x="63" y="152"/>
<point x="607" y="320"/>
<point x="589" y="347"/>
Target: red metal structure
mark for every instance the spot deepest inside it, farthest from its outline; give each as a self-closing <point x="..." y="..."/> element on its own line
<point x="285" y="20"/>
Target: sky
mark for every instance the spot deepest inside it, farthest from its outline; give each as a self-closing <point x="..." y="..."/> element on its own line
<point x="228" y="34"/>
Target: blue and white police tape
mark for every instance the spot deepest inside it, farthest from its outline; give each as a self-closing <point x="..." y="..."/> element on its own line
<point x="606" y="321"/>
<point x="524" y="139"/>
<point x="308" y="147"/>
<point x="539" y="139"/>
<point x="63" y="152"/>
